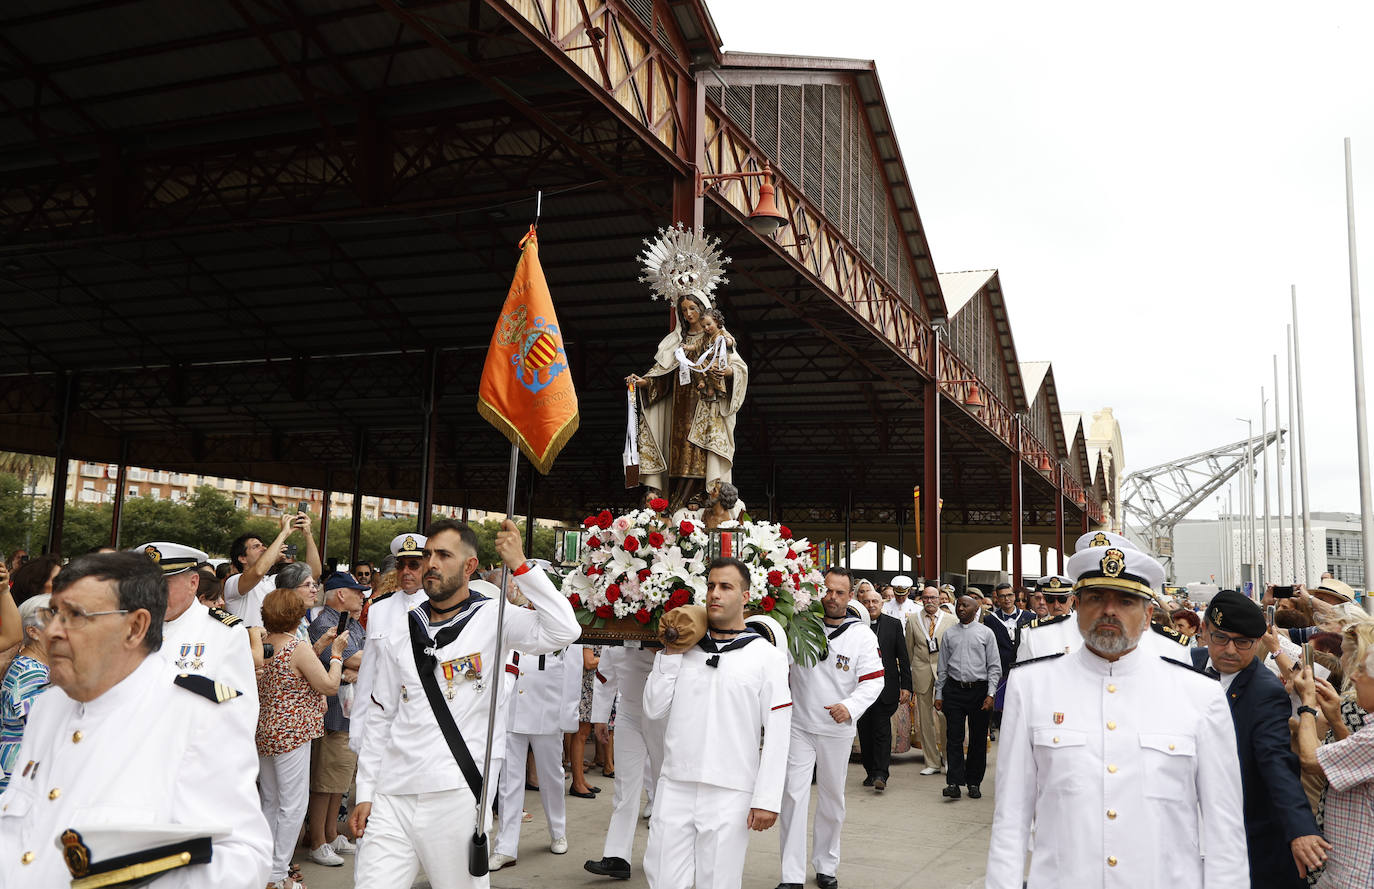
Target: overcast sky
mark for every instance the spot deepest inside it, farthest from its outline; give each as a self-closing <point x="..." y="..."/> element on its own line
<point x="1148" y="179"/>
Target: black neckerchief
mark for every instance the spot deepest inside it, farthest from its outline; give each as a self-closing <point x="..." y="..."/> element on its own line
<point x="450" y="632"/>
<point x="825" y="652"/>
<point x="743" y="638"/>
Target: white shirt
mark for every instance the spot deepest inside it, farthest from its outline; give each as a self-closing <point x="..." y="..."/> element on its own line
<point x="150" y="752"/>
<point x="1128" y="768"/>
<point x="851" y="674"/>
<point x="403" y="751"/>
<point x="247" y="606"/>
<point x="622" y="671"/>
<point x="197" y="642"/>
<point x="384" y="618"/>
<point x="714" y="716"/>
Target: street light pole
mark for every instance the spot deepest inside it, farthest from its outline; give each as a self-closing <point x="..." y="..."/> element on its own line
<point x="1361" y="444"/>
<point x="1302" y="444"/>
<point x="1249" y="492"/>
<point x="1264" y="444"/>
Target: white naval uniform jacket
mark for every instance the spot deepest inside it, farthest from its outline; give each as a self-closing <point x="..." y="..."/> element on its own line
<point x="198" y="642"/>
<point x="1043" y="639"/>
<point x="547" y="689"/>
<point x="146" y="752"/>
<point x="715" y="714"/>
<point x="385" y="618"/>
<point x="621" y="671"/>
<point x="403" y="750"/>
<point x="851" y="673"/>
<point x="1130" y="770"/>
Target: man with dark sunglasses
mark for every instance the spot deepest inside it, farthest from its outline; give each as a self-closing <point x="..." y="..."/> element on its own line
<point x="1056" y="633"/>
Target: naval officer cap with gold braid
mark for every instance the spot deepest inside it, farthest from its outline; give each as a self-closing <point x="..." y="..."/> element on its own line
<point x="1055" y="585"/>
<point x="409" y="546"/>
<point x="1097" y="539"/>
<point x="1116" y="567"/>
<point x="172" y="558"/>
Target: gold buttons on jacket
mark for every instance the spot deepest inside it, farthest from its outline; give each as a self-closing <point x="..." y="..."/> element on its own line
<point x="1111" y="689"/>
<point x="1111" y="726"/>
<point x="55" y="793"/>
<point x="1112" y="769"/>
<point x="1111" y="861"/>
<point x="1111" y="814"/>
<point x="26" y="858"/>
<point x="1055" y="739"/>
<point x="77" y="736"/>
<point x="1171" y="746"/>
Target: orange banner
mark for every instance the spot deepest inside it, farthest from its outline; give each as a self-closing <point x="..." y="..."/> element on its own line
<point x="527" y="391"/>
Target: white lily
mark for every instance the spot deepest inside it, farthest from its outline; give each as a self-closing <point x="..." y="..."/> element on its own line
<point x="622" y="562"/>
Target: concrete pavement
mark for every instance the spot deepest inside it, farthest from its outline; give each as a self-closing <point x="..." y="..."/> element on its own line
<point x="907" y="838"/>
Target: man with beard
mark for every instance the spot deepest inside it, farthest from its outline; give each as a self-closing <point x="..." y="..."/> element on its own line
<point x="1283" y="839"/>
<point x="830" y="696"/>
<point x="1128" y="760"/>
<point x="715" y="699"/>
<point x="417" y="796"/>
<point x="970" y="666"/>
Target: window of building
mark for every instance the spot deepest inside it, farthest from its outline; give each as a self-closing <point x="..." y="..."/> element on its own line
<point x="155" y="493"/>
<point x="132" y="492"/>
<point x="92" y="470"/>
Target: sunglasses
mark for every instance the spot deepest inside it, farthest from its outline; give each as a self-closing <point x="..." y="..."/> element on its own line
<point x="1049" y="597"/>
<point x="409" y="563"/>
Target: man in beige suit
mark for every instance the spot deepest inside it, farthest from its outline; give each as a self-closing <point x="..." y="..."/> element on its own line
<point x="923" y="632"/>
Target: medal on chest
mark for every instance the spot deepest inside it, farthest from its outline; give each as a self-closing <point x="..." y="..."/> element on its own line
<point x="471" y="665"/>
<point x="449" y="668"/>
<point x="842" y="662"/>
<point x="191" y="656"/>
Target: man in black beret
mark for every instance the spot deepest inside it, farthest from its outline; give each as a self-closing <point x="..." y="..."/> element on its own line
<point x="1281" y="833"/>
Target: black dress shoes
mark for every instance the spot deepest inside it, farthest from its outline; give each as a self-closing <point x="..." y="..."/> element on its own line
<point x="825" y="881"/>
<point x="617" y="868"/>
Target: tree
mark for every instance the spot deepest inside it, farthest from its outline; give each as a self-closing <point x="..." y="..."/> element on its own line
<point x="212" y="521"/>
<point x="144" y="520"/>
<point x="85" y="527"/>
<point x="15" y="524"/>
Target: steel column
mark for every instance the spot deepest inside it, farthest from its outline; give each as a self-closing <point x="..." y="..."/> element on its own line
<point x="1059" y="517"/>
<point x="1016" y="510"/>
<point x="66" y="383"/>
<point x="848" y="525"/>
<point x="901" y="538"/>
<point x="121" y="484"/>
<point x="930" y="481"/>
<point x="355" y="531"/>
<point x="324" y="525"/>
<point x="429" y="404"/>
<point x="691" y="102"/>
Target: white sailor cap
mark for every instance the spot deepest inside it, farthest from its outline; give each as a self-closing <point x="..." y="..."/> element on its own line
<point x="172" y="558"/>
<point x="128" y="854"/>
<point x="768" y="628"/>
<point x="1102" y="538"/>
<point x="1054" y="584"/>
<point x="902" y="582"/>
<point x="1120" y="568"/>
<point x="410" y="545"/>
<point x="858" y="611"/>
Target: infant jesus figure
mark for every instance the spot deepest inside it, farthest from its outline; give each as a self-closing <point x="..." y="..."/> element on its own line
<point x="715" y="357"/>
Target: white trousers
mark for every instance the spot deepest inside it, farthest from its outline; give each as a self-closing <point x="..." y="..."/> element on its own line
<point x="698" y="836"/>
<point x="407" y="831"/>
<point x="829" y="755"/>
<point x="635" y="767"/>
<point x="284" y="791"/>
<point x="548" y="764"/>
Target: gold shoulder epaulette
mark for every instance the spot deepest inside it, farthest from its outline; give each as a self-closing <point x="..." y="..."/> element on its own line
<point x="225" y="617"/>
<point x="1170" y="633"/>
<point x="206" y="687"/>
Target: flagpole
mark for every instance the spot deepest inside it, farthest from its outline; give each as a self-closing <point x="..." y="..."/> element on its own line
<point x="1298" y="573"/>
<point x="477" y="860"/>
<point x="1361" y="429"/>
<point x="1302" y="444"/>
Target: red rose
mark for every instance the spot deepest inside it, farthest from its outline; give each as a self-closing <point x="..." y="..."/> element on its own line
<point x="792" y="555"/>
<point x="642" y="616"/>
<point x="644" y="574"/>
<point x="631" y="544"/>
<point x="686" y="528"/>
<point x="658" y="504"/>
<point x="655" y="539"/>
<point x="775" y="578"/>
<point x="604" y="520"/>
<point x="604" y="611"/>
<point x="768" y="603"/>
<point x="593" y="541"/>
<point x="592" y="571"/>
<point x="796" y="581"/>
<point x="575" y="600"/>
<point x="679" y="597"/>
<point x="785" y="531"/>
<point x="589" y="521"/>
<point x="613" y="592"/>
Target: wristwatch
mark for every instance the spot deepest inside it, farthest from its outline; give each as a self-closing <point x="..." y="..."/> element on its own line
<point x="1306" y="709"/>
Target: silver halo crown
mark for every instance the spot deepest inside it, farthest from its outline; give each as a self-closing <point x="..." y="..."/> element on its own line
<point x="683" y="261"/>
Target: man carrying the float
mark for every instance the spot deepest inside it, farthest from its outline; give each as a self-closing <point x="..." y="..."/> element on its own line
<point x="716" y="697"/>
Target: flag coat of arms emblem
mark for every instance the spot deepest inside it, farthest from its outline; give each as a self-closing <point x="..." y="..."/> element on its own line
<point x="527" y="391"/>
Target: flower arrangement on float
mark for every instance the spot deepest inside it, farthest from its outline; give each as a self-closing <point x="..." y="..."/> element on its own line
<point x="634" y="568"/>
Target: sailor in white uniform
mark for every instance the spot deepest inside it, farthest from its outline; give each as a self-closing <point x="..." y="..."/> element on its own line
<point x="899" y="606"/>
<point x="385" y="617"/>
<point x="619" y="682"/>
<point x="124" y="741"/>
<point x="716" y="783"/>
<point x="416" y="802"/>
<point x="547" y="687"/>
<point x="199" y="639"/>
<point x="1130" y="756"/>
<point x="828" y="698"/>
<point x="1057" y="633"/>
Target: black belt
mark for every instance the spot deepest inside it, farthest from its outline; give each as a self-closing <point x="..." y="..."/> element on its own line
<point x="962" y="684"/>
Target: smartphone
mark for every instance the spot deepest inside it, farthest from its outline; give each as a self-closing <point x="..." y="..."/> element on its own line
<point x="1307" y="654"/>
<point x="1283" y="592"/>
<point x="343" y="622"/>
<point x="1269" y="615"/>
<point x="289" y="551"/>
<point x="303" y="508"/>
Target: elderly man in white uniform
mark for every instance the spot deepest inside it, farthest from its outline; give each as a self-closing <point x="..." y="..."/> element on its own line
<point x="547" y="687"/>
<point x="126" y="762"/>
<point x="716" y="784"/>
<point x="199" y="639"/>
<point x="899" y="606"/>
<point x="416" y="803"/>
<point x="1130" y="756"/>
<point x="828" y="698"/>
<point x="622" y="672"/>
